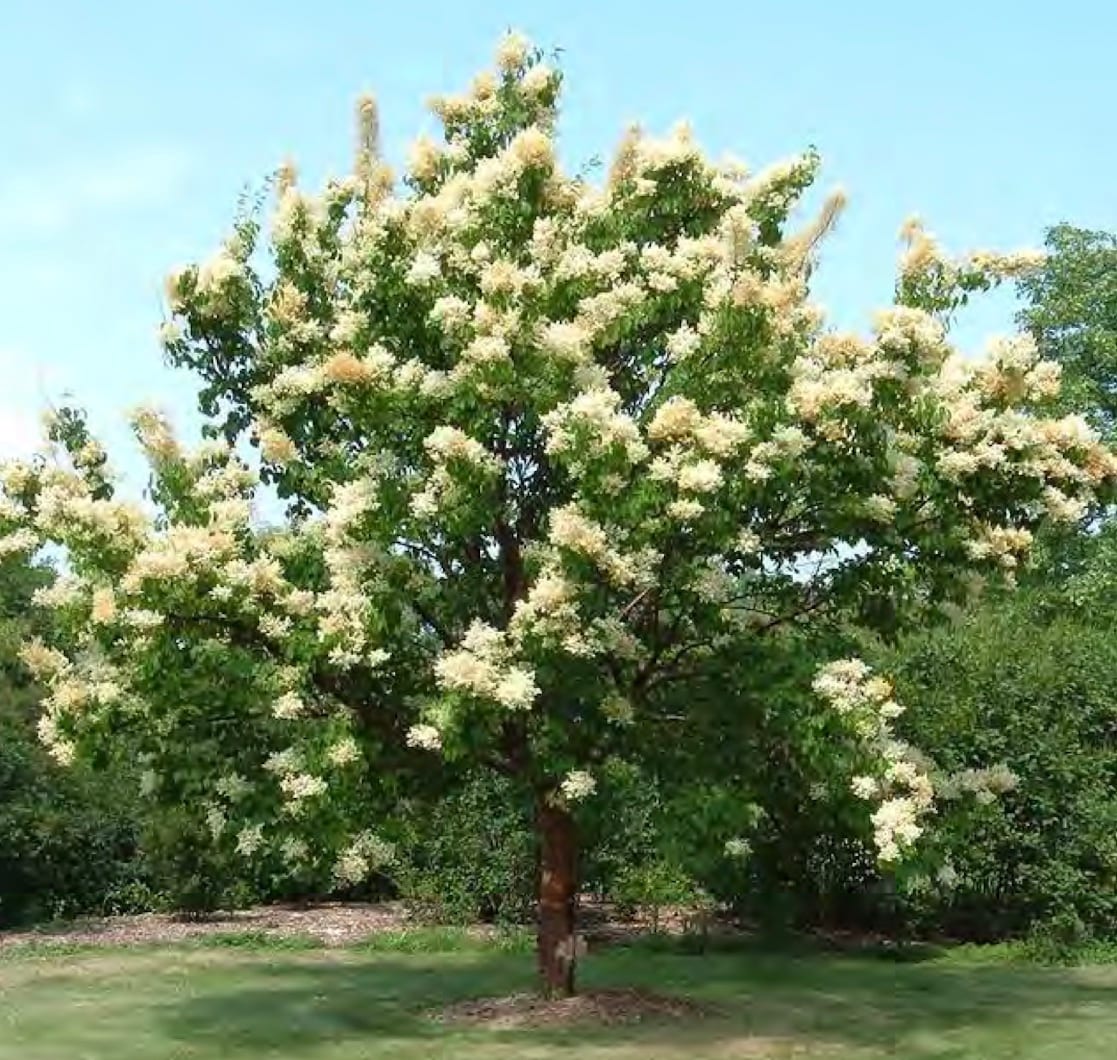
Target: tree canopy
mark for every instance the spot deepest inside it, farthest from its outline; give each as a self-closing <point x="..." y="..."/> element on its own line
<point x="1072" y="314"/>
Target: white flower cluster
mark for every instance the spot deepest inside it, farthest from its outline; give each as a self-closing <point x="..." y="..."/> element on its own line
<point x="288" y="707"/>
<point x="425" y="737"/>
<point x="451" y="451"/>
<point x="67" y="512"/>
<point x="183" y="552"/>
<point x="593" y="425"/>
<point x="904" y="791"/>
<point x="298" y="787"/>
<point x="361" y="857"/>
<point x="572" y="530"/>
<point x="578" y="785"/>
<point x="483" y="666"/>
<point x="1005" y="544"/>
<point x="737" y="849"/>
<point x="924" y="257"/>
<point x="345" y="752"/>
<point x="550" y="607"/>
<point x="838" y="374"/>
<point x="76" y="689"/>
<point x="679" y="420"/>
<point x="344" y="608"/>
<point x="983" y="784"/>
<point x="250" y="839"/>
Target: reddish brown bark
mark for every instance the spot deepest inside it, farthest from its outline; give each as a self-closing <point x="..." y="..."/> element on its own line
<point x="558" y="883"/>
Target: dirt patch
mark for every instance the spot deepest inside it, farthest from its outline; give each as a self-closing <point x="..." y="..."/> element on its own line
<point x="332" y="924"/>
<point x="597" y="1006"/>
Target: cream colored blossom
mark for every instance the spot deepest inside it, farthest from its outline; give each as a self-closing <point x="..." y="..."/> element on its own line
<point x="285" y="762"/>
<point x="737" y="848"/>
<point x="43" y="661"/>
<point x="578" y="785"/>
<point x="155" y="434"/>
<point x="864" y="787"/>
<point x="880" y="508"/>
<point x="297" y="787"/>
<point x="702" y="476"/>
<point x="748" y="542"/>
<point x="366" y="853"/>
<point x="566" y="340"/>
<point x="512" y="52"/>
<point x="103" y="606"/>
<point x="895" y="827"/>
<point x="550" y="607"/>
<point x="18" y="541"/>
<point x="685" y="509"/>
<point x="533" y="149"/>
<point x="683" y="342"/>
<point x="516" y="688"/>
<point x="537" y="80"/>
<point x="483" y="666"/>
<point x="425" y="737"/>
<point x="218" y="273"/>
<point x="424" y="159"/>
<point x="676" y="419"/>
<point x="593" y="422"/>
<point x="288" y="706"/>
<point x="275" y="445"/>
<point x="294" y="851"/>
<point x="424" y="268"/>
<point x="449" y="443"/>
<point x="250" y="839"/>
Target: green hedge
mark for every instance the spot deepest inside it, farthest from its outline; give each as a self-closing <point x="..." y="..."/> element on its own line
<point x="1037" y="690"/>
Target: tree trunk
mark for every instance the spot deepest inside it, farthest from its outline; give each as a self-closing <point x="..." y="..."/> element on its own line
<point x="558" y="884"/>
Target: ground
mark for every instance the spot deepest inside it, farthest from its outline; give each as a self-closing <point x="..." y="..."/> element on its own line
<point x="400" y="996"/>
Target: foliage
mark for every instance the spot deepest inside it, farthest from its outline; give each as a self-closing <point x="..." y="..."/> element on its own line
<point x="190" y="872"/>
<point x="68" y="839"/>
<point x="68" y="842"/>
<point x="1031" y="682"/>
<point x="1072" y="313"/>
<point x="468" y="856"/>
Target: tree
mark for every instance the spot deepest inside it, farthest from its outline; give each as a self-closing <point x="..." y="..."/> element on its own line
<point x="67" y="838"/>
<point x="548" y="450"/>
<point x="1072" y="314"/>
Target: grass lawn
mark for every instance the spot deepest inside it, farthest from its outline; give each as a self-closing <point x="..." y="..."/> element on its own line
<point x="257" y="1001"/>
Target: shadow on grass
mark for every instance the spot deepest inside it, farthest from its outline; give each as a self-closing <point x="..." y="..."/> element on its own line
<point x="823" y="1000"/>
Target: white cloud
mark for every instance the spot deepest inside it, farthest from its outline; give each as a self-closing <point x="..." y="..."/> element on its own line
<point x="50" y="203"/>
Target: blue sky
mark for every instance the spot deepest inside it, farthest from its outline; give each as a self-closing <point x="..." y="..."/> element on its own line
<point x="130" y="128"/>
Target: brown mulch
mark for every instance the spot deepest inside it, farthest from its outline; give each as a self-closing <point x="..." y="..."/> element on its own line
<point x="331" y="923"/>
<point x="597" y="1006"/>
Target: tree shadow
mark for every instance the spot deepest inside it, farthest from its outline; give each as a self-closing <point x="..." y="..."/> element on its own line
<point x="826" y="1001"/>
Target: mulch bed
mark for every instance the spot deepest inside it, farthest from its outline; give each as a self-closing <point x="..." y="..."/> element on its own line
<point x="331" y="923"/>
<point x="597" y="1006"/>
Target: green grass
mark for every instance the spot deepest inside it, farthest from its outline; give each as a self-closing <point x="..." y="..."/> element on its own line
<point x="251" y="998"/>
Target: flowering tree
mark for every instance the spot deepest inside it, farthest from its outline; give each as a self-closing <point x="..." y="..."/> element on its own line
<point x="547" y="448"/>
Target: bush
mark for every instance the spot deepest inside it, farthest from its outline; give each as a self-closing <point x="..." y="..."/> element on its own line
<point x="1038" y="691"/>
<point x="469" y="855"/>
<point x="68" y="840"/>
<point x="191" y="876"/>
